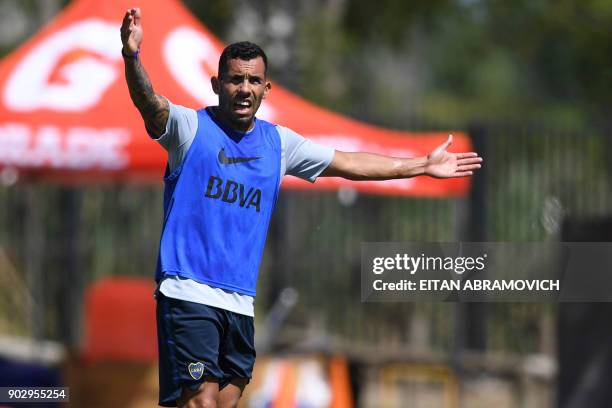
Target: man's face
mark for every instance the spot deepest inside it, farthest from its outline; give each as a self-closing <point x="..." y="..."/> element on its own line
<point x="241" y="90"/>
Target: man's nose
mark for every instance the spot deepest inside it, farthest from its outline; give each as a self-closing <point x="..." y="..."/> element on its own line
<point x="245" y="86"/>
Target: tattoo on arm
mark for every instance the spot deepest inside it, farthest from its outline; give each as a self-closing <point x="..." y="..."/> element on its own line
<point x="153" y="108"/>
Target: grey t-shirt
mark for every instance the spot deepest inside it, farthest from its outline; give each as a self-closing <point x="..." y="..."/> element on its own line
<point x="300" y="157"/>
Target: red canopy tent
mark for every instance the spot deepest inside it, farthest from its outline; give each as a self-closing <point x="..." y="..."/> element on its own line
<point x="65" y="112"/>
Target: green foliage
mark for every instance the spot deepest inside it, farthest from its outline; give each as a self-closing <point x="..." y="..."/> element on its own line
<point x="216" y="14"/>
<point x="386" y="21"/>
<point x="497" y="59"/>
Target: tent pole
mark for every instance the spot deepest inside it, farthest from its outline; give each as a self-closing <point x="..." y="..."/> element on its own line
<point x="34" y="250"/>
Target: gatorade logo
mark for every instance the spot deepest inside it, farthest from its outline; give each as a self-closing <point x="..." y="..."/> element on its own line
<point x="69" y="71"/>
<point x="232" y="192"/>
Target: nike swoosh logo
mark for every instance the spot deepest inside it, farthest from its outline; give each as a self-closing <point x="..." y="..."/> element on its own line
<point x="223" y="159"/>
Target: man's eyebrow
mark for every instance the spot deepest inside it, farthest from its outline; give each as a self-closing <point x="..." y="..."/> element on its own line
<point x="241" y="76"/>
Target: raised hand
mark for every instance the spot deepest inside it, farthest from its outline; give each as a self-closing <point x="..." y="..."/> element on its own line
<point x="444" y="164"/>
<point x="131" y="31"/>
<point x="153" y="108"/>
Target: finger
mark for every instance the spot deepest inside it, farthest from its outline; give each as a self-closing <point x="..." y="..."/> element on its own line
<point x="137" y="15"/>
<point x="471" y="160"/>
<point x="127" y="19"/>
<point x="448" y="142"/>
<point x="464" y="155"/>
<point x="463" y="173"/>
<point x="468" y="167"/>
<point x="438" y="150"/>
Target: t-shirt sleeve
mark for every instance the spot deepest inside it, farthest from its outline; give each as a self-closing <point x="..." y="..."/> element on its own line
<point x="180" y="131"/>
<point x="302" y="157"/>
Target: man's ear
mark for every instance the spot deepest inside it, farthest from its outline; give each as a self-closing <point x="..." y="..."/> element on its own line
<point x="268" y="87"/>
<point x="216" y="85"/>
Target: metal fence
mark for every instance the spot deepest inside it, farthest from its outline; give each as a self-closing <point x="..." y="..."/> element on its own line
<point x="56" y="240"/>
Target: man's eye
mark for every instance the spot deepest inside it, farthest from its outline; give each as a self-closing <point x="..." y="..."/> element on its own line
<point x="256" y="81"/>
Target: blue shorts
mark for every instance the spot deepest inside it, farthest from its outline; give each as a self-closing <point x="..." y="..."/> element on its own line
<point x="197" y="342"/>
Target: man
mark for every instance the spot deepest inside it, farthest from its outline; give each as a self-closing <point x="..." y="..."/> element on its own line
<point x="221" y="184"/>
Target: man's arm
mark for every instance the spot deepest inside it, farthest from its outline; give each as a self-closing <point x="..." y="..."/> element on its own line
<point x="367" y="166"/>
<point x="153" y="108"/>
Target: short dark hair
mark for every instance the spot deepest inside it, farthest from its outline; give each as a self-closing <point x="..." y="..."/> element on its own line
<point x="244" y="50"/>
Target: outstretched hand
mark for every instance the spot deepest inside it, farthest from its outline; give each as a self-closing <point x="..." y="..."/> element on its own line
<point x="444" y="164"/>
<point x="131" y="31"/>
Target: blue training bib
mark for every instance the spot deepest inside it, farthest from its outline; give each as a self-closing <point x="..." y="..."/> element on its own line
<point x="218" y="205"/>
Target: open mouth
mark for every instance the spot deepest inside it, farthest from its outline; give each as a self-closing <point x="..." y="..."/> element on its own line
<point x="242" y="106"/>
